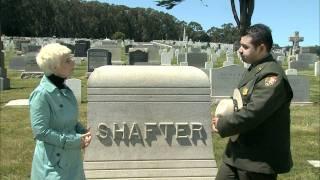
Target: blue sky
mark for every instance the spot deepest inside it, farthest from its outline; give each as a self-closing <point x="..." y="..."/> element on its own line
<point x="284" y="17"/>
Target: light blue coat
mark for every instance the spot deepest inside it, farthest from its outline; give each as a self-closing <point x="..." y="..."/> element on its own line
<point x="55" y="126"/>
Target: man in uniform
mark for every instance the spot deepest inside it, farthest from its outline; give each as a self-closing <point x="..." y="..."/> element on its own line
<point x="262" y="149"/>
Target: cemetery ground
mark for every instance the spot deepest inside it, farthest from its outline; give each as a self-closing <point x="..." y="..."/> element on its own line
<point x="17" y="144"/>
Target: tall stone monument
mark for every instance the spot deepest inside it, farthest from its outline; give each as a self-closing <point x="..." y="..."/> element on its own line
<point x="149" y="122"/>
<point x="295" y="43"/>
<point x="4" y="81"/>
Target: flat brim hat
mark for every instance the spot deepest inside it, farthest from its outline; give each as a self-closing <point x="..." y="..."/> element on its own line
<point x="229" y="106"/>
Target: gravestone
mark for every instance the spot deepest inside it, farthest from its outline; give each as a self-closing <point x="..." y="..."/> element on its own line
<point x="97" y="58"/>
<point x="126" y="48"/>
<point x="75" y="86"/>
<point x="225" y="79"/>
<point x="209" y="65"/>
<point x="229" y="57"/>
<point x="295" y="42"/>
<point x="4" y="81"/>
<point x="317" y="68"/>
<point x="20" y="42"/>
<point x="115" y="55"/>
<point x="291" y="72"/>
<point x="70" y="46"/>
<point x="26" y="48"/>
<point x="149" y="122"/>
<point x="31" y="62"/>
<point x="299" y="65"/>
<point x="138" y="57"/>
<point x="308" y="58"/>
<point x="165" y="59"/>
<point x="32" y="69"/>
<point x="280" y="59"/>
<point x="197" y="59"/>
<point x="182" y="57"/>
<point x="194" y="50"/>
<point x="17" y="63"/>
<point x="153" y="55"/>
<point x="300" y="88"/>
<point x="183" y="64"/>
<point x="227" y="63"/>
<point x="81" y="48"/>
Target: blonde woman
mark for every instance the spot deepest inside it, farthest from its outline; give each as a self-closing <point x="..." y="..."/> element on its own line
<point x="58" y="134"/>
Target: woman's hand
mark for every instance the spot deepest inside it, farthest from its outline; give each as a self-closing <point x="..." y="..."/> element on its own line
<point x="86" y="139"/>
<point x="214" y="123"/>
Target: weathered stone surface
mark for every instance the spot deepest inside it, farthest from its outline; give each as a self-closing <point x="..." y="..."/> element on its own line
<point x="149" y="122"/>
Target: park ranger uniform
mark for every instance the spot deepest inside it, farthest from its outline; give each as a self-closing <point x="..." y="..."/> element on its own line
<point x="263" y="124"/>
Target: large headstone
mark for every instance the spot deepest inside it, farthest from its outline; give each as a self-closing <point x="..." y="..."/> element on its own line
<point x="32" y="69"/>
<point x="165" y="58"/>
<point x="75" y="86"/>
<point x="225" y="79"/>
<point x="299" y="65"/>
<point x="149" y="122"/>
<point x="307" y="58"/>
<point x="197" y="59"/>
<point x="17" y="63"/>
<point x="153" y="55"/>
<point x="115" y="54"/>
<point x="4" y="81"/>
<point x="97" y="58"/>
<point x="300" y="88"/>
<point x="138" y="56"/>
<point x="81" y="48"/>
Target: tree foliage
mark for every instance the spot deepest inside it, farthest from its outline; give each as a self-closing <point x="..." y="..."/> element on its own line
<point x="93" y="19"/>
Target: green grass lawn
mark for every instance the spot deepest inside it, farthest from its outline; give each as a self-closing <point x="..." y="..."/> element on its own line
<point x="17" y="144"/>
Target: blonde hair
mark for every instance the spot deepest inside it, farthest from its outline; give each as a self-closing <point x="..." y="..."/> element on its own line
<point x="50" y="56"/>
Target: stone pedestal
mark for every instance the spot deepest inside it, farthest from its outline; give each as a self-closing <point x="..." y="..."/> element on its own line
<point x="4" y="81"/>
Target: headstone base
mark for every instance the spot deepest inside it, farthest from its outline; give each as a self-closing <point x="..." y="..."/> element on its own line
<point x="27" y="75"/>
<point x="4" y="83"/>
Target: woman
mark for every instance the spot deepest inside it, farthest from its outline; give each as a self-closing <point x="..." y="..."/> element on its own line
<point x="54" y="119"/>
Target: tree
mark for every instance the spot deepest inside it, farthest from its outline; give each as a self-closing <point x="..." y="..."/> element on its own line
<point x="246" y="11"/>
<point x="118" y="35"/>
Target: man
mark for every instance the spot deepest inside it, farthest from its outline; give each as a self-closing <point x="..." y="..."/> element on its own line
<point x="262" y="149"/>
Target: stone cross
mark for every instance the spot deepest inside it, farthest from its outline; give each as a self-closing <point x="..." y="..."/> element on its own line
<point x="295" y="41"/>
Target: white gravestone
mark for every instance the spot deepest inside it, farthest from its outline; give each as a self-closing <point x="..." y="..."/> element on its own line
<point x="317" y="68"/>
<point x="281" y="59"/>
<point x="227" y="63"/>
<point x="75" y="86"/>
<point x="149" y="122"/>
<point x="291" y="72"/>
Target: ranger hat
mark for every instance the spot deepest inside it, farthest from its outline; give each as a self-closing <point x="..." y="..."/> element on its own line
<point x="229" y="106"/>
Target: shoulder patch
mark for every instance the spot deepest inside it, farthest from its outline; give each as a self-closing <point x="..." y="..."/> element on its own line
<point x="270" y="80"/>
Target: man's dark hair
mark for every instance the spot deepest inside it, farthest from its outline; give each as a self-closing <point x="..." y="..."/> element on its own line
<point x="260" y="34"/>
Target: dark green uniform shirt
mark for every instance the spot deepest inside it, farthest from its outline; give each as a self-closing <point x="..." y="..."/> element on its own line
<point x="263" y="123"/>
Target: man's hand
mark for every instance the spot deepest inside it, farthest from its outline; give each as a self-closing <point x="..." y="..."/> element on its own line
<point x="214" y="123"/>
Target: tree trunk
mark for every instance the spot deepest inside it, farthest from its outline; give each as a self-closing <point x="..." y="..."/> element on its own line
<point x="246" y="11"/>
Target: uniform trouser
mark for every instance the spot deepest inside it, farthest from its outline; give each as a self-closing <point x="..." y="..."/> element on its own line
<point x="227" y="172"/>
